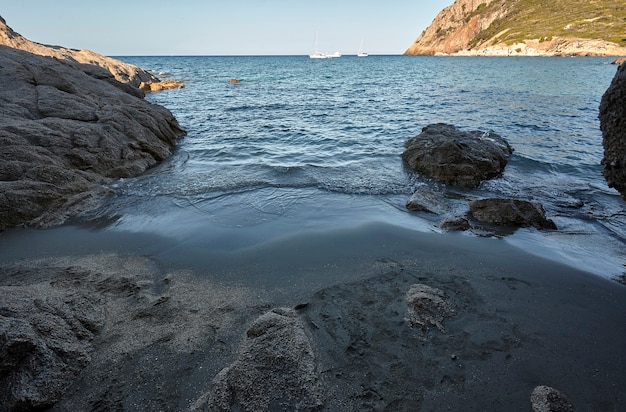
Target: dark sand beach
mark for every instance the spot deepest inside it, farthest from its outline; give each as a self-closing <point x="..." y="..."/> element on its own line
<point x="168" y="328"/>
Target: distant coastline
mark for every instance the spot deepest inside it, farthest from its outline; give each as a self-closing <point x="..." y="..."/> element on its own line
<point x="504" y="28"/>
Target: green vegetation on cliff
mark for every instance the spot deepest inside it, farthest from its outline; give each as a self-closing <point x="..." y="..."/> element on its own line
<point x="543" y="20"/>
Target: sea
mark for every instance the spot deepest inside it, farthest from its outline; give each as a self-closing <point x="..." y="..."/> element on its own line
<point x="311" y="148"/>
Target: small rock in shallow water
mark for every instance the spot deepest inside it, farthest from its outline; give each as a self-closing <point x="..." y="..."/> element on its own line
<point x="511" y="212"/>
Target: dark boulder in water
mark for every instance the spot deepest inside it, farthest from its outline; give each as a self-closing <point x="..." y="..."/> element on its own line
<point x="511" y="212"/>
<point x="456" y="157"/>
<point x="613" y="126"/>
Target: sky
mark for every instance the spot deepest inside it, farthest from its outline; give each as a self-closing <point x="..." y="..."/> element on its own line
<point x="223" y="27"/>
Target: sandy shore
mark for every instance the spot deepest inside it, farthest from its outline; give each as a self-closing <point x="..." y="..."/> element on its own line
<point x="165" y="329"/>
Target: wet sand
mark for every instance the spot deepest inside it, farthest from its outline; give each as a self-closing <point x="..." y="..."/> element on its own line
<point x="520" y="320"/>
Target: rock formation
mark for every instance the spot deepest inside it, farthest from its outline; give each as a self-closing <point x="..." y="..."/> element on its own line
<point x="505" y="28"/>
<point x="511" y="212"/>
<point x="276" y="370"/>
<point x="123" y="72"/>
<point x="613" y="126"/>
<point x="427" y="306"/>
<point x="455" y="157"/>
<point x="66" y="129"/>
<point x="45" y="341"/>
<point x="547" y="399"/>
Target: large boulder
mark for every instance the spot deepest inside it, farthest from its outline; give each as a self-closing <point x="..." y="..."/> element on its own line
<point x="510" y="212"/>
<point x="66" y="129"/>
<point x="456" y="157"/>
<point x="613" y="126"/>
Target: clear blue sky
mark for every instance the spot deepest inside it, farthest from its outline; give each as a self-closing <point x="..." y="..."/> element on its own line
<point x="223" y="27"/>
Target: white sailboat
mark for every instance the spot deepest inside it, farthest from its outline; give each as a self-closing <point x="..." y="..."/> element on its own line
<point x="321" y="55"/>
<point x="361" y="53"/>
<point x="317" y="54"/>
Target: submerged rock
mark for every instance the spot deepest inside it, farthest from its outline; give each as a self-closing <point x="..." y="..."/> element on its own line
<point x="613" y="126"/>
<point x="456" y="157"/>
<point x="547" y="399"/>
<point x="510" y="212"/>
<point x="276" y="370"/>
<point x="65" y="130"/>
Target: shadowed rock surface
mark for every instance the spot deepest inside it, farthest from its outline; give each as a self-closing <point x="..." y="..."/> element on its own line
<point x="613" y="126"/>
<point x="510" y="212"/>
<point x="46" y="338"/>
<point x="456" y="157"/>
<point x="64" y="132"/>
<point x="547" y="399"/>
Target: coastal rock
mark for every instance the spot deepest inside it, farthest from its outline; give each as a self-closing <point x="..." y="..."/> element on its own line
<point x="619" y="61"/>
<point x="613" y="126"/>
<point x="504" y="28"/>
<point x="425" y="200"/>
<point x="64" y="132"/>
<point x="510" y="212"/>
<point x="427" y="306"/>
<point x="456" y="157"/>
<point x="122" y="72"/>
<point x="45" y="341"/>
<point x="276" y="370"/>
<point x="161" y="85"/>
<point x="547" y="399"/>
<point x="455" y="224"/>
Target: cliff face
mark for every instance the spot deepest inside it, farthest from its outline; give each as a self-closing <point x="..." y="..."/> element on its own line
<point x="525" y="27"/>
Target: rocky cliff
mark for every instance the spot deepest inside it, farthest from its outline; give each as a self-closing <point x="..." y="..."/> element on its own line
<point x="123" y="72"/>
<point x="526" y="27"/>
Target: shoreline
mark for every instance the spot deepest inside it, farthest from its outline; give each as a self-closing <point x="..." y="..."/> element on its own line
<point x="520" y="320"/>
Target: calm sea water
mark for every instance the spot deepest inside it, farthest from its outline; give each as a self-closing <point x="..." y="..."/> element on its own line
<point x="302" y="144"/>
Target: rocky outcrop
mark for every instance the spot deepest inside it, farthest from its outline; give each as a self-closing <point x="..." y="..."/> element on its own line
<point x="547" y="399"/>
<point x="123" y="72"/>
<point x="455" y="157"/>
<point x="509" y="28"/>
<point x="276" y="370"/>
<point x="613" y="126"/>
<point x="510" y="212"/>
<point x="454" y="28"/>
<point x="65" y="130"/>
